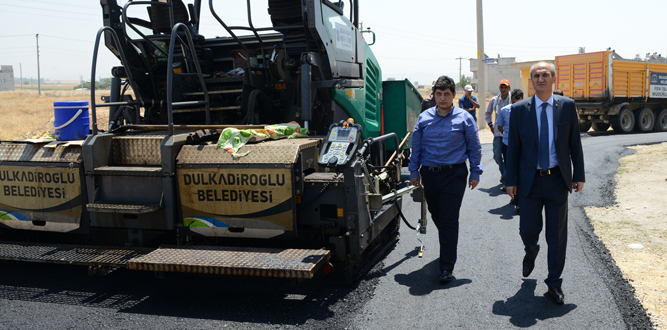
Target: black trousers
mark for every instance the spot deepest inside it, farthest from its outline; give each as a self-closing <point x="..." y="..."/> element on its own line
<point x="549" y="193"/>
<point x="444" y="193"/>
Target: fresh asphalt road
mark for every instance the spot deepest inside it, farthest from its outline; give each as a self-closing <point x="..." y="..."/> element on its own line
<point x="401" y="292"/>
<point x="489" y="291"/>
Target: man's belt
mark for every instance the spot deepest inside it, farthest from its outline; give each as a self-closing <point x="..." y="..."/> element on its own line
<point x="443" y="167"/>
<point x="550" y="171"/>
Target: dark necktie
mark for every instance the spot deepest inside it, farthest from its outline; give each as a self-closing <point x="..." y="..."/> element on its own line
<point x="544" y="138"/>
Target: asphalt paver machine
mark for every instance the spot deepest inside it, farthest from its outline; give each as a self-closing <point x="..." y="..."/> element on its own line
<point x="153" y="191"/>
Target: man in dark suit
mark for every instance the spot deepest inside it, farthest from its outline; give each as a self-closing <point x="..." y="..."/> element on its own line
<point x="545" y="161"/>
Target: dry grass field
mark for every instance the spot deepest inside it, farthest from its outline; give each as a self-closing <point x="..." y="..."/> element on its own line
<point x="26" y="114"/>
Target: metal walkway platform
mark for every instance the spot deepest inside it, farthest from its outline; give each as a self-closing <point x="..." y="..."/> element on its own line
<point x="263" y="262"/>
<point x="70" y="254"/>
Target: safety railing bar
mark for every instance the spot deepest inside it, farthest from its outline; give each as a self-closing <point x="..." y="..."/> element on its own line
<point x="123" y="60"/>
<point x="370" y="141"/>
<point x="270" y="28"/>
<point x="127" y="22"/>
<point x="183" y="127"/>
<point x="137" y="103"/>
<point x="261" y="44"/>
<point x="188" y="103"/>
<point x="112" y="104"/>
<point x="170" y="75"/>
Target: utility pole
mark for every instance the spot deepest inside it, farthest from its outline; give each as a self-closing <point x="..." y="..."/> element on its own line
<point x="481" y="63"/>
<point x="39" y="82"/>
<point x="21" y="71"/>
<point x="459" y="58"/>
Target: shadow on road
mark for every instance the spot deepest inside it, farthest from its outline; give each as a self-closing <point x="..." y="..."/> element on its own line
<point x="493" y="191"/>
<point x="506" y="212"/>
<point x="425" y="280"/>
<point x="525" y="309"/>
<point x="236" y="299"/>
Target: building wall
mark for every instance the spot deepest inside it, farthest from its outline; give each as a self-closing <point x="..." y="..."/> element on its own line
<point x="496" y="71"/>
<point x="6" y="78"/>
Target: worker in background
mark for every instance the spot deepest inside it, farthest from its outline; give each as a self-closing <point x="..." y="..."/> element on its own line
<point x="468" y="102"/>
<point x="503" y="125"/>
<point x="497" y="103"/>
<point x="444" y="137"/>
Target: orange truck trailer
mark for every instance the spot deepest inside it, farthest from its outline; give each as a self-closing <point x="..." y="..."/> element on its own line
<point x="611" y="91"/>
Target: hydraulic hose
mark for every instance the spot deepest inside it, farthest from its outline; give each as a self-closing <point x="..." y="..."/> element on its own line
<point x="403" y="217"/>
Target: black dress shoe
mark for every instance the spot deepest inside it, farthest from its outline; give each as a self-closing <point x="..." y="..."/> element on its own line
<point x="446" y="277"/>
<point x="528" y="266"/>
<point x="556" y="294"/>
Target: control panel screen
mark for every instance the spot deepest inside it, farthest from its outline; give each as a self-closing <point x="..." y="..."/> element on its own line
<point x="343" y="134"/>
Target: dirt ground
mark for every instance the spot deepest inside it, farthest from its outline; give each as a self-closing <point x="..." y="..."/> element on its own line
<point x="634" y="229"/>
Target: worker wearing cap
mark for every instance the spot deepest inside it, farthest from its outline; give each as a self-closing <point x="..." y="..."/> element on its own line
<point x="468" y="102"/>
<point x="494" y="107"/>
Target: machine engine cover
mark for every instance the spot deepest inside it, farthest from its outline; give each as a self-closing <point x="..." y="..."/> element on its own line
<point x="253" y="196"/>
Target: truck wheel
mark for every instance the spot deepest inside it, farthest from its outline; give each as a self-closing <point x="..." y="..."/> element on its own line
<point x="624" y="122"/>
<point x="644" y="120"/>
<point x="600" y="127"/>
<point x="584" y="127"/>
<point x="661" y="121"/>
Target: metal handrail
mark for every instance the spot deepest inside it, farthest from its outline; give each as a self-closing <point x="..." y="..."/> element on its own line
<point x="370" y="141"/>
<point x="170" y="75"/>
<point x="123" y="60"/>
<point x="261" y="45"/>
<point x="127" y="22"/>
<point x="231" y="33"/>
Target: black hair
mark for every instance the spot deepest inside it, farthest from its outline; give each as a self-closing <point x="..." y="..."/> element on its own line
<point x="517" y="93"/>
<point x="444" y="83"/>
<point x="558" y="92"/>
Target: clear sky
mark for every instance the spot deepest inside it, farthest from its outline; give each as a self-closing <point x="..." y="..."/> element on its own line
<point x="418" y="39"/>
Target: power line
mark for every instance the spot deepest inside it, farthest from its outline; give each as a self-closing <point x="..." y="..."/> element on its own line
<point x="51" y="16"/>
<point x="49" y="9"/>
<point x="16" y="35"/>
<point x="60" y="3"/>
<point x="86" y="41"/>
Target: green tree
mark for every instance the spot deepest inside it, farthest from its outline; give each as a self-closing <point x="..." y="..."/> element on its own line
<point x="463" y="81"/>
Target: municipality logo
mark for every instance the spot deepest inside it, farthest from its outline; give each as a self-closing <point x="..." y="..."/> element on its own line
<point x="654" y="78"/>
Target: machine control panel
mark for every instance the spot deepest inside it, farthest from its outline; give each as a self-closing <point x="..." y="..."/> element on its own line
<point x="342" y="141"/>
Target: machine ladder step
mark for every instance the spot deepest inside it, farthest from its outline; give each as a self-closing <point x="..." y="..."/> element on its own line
<point x="125" y="208"/>
<point x="70" y="254"/>
<point x="245" y="261"/>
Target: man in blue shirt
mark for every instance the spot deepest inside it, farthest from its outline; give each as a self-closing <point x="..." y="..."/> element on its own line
<point x="503" y="126"/>
<point x="444" y="137"/>
<point x="468" y="102"/>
